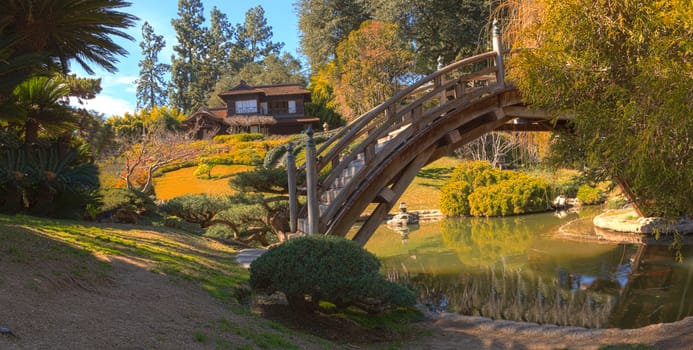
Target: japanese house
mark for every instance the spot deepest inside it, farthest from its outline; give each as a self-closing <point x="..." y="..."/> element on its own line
<point x="266" y="109"/>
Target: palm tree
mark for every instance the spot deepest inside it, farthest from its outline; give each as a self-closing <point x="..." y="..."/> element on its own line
<point x="41" y="100"/>
<point x="13" y="69"/>
<point x="68" y="29"/>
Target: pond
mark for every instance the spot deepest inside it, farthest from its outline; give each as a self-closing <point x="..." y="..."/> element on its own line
<point x="526" y="268"/>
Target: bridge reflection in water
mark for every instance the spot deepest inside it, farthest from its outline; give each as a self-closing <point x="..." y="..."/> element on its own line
<point x="517" y="269"/>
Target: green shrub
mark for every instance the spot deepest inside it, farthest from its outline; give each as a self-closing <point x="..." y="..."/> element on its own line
<point x="204" y="169"/>
<point x="240" y="155"/>
<point x="238" y="137"/>
<point x="478" y="173"/>
<point x="477" y="189"/>
<point x="589" y="195"/>
<point x="519" y="195"/>
<point x="219" y="231"/>
<point x="122" y="199"/>
<point x="329" y="269"/>
<point x="196" y="208"/>
<point x="463" y="182"/>
<point x="269" y="180"/>
<point x="453" y="198"/>
<point x="272" y="156"/>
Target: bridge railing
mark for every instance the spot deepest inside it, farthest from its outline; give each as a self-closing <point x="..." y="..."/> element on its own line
<point x="398" y="118"/>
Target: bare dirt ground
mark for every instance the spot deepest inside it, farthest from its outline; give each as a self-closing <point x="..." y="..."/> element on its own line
<point x="131" y="309"/>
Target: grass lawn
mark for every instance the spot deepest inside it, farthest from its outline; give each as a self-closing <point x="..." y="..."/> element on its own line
<point x="424" y="192"/>
<point x="182" y="181"/>
<point x="159" y="249"/>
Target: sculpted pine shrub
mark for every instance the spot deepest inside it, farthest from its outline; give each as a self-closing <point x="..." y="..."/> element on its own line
<point x="196" y="208"/>
<point x="310" y="269"/>
<point x="122" y="201"/>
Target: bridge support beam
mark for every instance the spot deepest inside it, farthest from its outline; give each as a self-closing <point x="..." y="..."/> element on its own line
<point x="293" y="200"/>
<point x="498" y="49"/>
<point x="312" y="184"/>
<point x="400" y="185"/>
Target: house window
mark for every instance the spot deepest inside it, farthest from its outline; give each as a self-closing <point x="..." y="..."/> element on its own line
<point x="263" y="108"/>
<point x="292" y="107"/>
<point x="246" y="106"/>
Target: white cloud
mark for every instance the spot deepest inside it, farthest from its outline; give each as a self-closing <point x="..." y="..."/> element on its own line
<point x="107" y="105"/>
<point x="110" y="81"/>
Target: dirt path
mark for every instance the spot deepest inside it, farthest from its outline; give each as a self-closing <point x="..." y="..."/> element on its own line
<point x="132" y="309"/>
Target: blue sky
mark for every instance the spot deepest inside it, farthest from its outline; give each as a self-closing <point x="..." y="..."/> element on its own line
<point x="118" y="90"/>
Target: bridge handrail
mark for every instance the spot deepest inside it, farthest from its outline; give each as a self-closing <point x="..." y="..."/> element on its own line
<point x="351" y="131"/>
<point x="398" y="112"/>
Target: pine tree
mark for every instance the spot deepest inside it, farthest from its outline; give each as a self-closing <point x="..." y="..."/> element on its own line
<point x="324" y="24"/>
<point x="190" y="53"/>
<point x="254" y="38"/>
<point x="151" y="84"/>
<point x="219" y="38"/>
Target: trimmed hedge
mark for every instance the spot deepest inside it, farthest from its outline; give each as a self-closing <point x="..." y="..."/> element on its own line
<point x="238" y="137"/>
<point x="478" y="189"/>
<point x="329" y="269"/>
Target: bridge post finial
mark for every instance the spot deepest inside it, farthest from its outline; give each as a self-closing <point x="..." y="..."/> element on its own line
<point x="498" y="49"/>
<point x="293" y="199"/>
<point x="312" y="184"/>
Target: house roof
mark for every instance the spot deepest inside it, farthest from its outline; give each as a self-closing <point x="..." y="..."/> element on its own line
<point x="214" y="113"/>
<point x="268" y="90"/>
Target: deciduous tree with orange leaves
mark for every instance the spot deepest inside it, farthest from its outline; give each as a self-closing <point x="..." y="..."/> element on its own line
<point x="370" y="66"/>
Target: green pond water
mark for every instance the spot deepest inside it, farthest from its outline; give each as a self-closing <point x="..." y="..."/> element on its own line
<point x="538" y="268"/>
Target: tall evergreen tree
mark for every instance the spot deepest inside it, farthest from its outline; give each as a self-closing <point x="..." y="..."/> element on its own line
<point x="151" y="86"/>
<point x="219" y="37"/>
<point x="272" y="70"/>
<point x="324" y="24"/>
<point x="185" y="91"/>
<point x="254" y="38"/>
<point x="449" y="29"/>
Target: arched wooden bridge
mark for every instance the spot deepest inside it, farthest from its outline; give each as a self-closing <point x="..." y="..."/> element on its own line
<point x="375" y="157"/>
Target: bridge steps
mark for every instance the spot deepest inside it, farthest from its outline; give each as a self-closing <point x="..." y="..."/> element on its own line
<point x="351" y="171"/>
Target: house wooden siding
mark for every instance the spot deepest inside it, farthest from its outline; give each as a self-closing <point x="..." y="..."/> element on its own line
<point x="231" y="104"/>
<point x="270" y="112"/>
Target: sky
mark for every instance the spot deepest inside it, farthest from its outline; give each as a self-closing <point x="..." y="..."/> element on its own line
<point x="118" y="90"/>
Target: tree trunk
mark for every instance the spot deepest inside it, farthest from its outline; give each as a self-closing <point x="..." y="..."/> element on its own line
<point x="630" y="195"/>
<point x="31" y="128"/>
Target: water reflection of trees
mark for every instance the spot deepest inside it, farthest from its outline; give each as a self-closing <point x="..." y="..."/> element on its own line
<point x="649" y="287"/>
<point x="487" y="241"/>
<point x="500" y="292"/>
